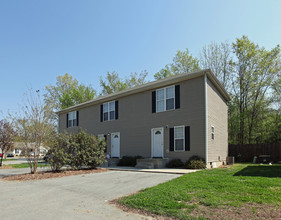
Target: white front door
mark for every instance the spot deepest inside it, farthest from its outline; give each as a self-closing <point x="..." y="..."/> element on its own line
<point x="157" y="139"/>
<point x="115" y="144"/>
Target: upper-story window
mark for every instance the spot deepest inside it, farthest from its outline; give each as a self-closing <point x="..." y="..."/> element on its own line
<point x="165" y="99"/>
<point x="72" y="119"/>
<point x="109" y="111"/>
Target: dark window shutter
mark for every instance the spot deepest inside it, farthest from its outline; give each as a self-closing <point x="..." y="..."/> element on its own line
<point x="187" y="138"/>
<point x="171" y="139"/>
<point x="116" y="110"/>
<point x="77" y="118"/>
<point x="177" y="96"/>
<point x="153" y="101"/>
<point x="105" y="139"/>
<point x="67" y="120"/>
<point x="101" y="113"/>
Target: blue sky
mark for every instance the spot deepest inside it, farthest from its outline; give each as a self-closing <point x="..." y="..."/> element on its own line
<point x="40" y="40"/>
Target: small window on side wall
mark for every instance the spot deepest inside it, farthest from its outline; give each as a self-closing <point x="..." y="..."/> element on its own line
<point x="212" y="132"/>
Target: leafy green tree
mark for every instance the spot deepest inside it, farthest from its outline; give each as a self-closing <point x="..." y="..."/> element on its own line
<point x="67" y="92"/>
<point x="113" y="83"/>
<point x="77" y="95"/>
<point x="256" y="70"/>
<point x="163" y="73"/>
<point x="183" y="62"/>
<point x="137" y="79"/>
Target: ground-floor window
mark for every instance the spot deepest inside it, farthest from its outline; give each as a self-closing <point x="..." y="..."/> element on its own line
<point x="179" y="138"/>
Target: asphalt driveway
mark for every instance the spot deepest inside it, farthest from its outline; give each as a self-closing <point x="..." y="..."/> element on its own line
<point x="75" y="197"/>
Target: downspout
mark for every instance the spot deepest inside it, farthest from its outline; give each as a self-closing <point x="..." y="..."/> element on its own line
<point x="206" y="119"/>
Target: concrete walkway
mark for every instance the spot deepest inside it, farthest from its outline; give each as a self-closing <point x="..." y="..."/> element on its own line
<point x="163" y="170"/>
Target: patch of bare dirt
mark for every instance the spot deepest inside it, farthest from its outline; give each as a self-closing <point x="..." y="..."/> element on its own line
<point x="5" y="167"/>
<point x="139" y="211"/>
<point x="248" y="211"/>
<point x="49" y="174"/>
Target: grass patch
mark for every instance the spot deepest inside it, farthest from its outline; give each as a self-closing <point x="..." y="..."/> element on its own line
<point x="26" y="165"/>
<point x="238" y="186"/>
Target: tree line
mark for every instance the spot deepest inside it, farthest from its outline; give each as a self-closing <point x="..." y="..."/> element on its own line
<point x="250" y="74"/>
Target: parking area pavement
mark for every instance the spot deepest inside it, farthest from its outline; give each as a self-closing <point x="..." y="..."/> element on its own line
<point x="75" y="197"/>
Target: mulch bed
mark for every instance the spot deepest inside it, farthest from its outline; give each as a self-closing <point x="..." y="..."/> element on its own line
<point x="49" y="174"/>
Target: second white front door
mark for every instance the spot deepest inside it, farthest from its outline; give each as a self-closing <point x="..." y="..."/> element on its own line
<point x="115" y="144"/>
<point x="157" y="139"/>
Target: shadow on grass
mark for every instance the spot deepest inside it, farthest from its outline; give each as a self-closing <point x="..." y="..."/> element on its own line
<point x="262" y="171"/>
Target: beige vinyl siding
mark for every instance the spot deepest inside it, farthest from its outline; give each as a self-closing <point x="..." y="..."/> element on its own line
<point x="136" y="121"/>
<point x="217" y="117"/>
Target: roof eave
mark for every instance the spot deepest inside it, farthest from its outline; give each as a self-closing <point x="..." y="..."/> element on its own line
<point x="149" y="86"/>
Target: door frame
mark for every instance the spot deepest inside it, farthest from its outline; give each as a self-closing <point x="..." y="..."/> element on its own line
<point x="111" y="143"/>
<point x="152" y="140"/>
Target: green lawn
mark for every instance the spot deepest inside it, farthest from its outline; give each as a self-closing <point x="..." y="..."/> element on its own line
<point x="25" y="165"/>
<point x="222" y="188"/>
<point x="8" y="159"/>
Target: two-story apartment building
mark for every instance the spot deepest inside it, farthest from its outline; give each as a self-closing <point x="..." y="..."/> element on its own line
<point x="177" y="117"/>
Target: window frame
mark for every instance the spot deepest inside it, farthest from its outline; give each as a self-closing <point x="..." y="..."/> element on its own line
<point x="108" y="111"/>
<point x="183" y="149"/>
<point x="72" y="116"/>
<point x="165" y="99"/>
<point x="212" y="132"/>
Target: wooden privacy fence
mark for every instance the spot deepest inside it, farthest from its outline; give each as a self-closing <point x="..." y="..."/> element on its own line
<point x="246" y="152"/>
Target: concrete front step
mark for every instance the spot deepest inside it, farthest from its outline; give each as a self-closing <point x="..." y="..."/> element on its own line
<point x="151" y="163"/>
<point x="145" y="165"/>
<point x="113" y="162"/>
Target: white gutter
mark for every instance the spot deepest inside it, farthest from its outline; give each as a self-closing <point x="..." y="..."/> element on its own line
<point x="206" y="119"/>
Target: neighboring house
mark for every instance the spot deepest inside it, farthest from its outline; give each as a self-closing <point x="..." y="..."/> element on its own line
<point x="18" y="149"/>
<point x="176" y="117"/>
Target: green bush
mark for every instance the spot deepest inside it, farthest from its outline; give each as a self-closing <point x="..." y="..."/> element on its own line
<point x="76" y="150"/>
<point x="175" y="163"/>
<point x="57" y="155"/>
<point x="195" y="162"/>
<point x="129" y="161"/>
<point x="85" y="150"/>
